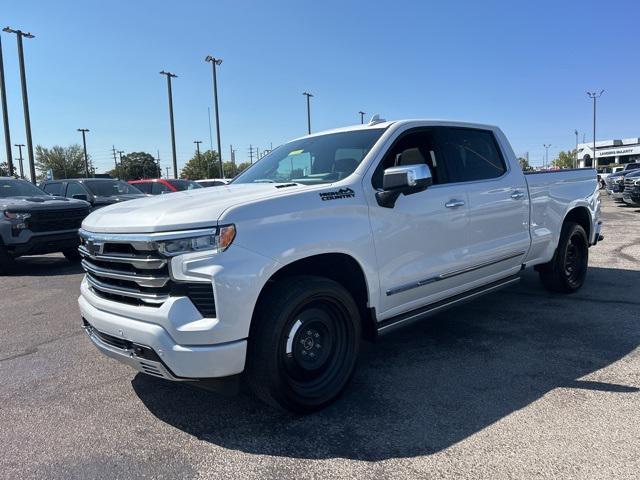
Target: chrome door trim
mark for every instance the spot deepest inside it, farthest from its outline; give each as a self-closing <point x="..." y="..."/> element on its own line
<point x="453" y="273"/>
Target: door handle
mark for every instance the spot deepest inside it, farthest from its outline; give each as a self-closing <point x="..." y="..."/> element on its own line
<point x="517" y="195"/>
<point x="454" y="203"/>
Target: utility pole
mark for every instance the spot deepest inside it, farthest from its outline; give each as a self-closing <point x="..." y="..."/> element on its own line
<point x="214" y="63"/>
<point x="120" y="152"/>
<point x="169" y="76"/>
<point x="25" y="98"/>
<point x="20" y="145"/>
<point x="84" y="144"/>
<point x="546" y="156"/>
<point x="251" y="154"/>
<point x="594" y="96"/>
<point x="198" y="142"/>
<point x="159" y="167"/>
<point x="308" y="95"/>
<point x="5" y="114"/>
<point x="362" y="114"/>
<point x="115" y="162"/>
<point x="167" y="174"/>
<point x="575" y="155"/>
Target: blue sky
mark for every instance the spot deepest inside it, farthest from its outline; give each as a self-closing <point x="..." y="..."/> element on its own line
<point x="524" y="66"/>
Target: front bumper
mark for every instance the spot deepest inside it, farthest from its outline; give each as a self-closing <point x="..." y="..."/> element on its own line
<point x="175" y="361"/>
<point x="41" y="243"/>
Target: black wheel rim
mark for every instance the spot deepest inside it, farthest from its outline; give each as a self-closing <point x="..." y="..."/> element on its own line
<point x="575" y="260"/>
<point x="316" y="346"/>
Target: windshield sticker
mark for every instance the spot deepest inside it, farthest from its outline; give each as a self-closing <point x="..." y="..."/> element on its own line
<point x="338" y="194"/>
<point x="296" y="152"/>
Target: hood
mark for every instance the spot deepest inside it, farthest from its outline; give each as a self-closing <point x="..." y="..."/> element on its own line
<point x="30" y="204"/>
<point x="198" y="208"/>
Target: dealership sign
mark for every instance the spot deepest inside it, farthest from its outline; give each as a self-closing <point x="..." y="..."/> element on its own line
<point x="619" y="151"/>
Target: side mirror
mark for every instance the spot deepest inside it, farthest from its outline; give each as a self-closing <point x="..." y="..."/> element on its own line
<point x="80" y="196"/>
<point x="405" y="179"/>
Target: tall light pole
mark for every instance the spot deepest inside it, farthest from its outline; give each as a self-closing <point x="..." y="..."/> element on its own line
<point x="594" y="96"/>
<point x="25" y="97"/>
<point x="546" y="156"/>
<point x="308" y="95"/>
<point x="214" y="62"/>
<point x="20" y="145"/>
<point x="169" y="76"/>
<point x="575" y="156"/>
<point x="84" y="144"/>
<point x="198" y="142"/>
<point x="5" y="113"/>
<point x="362" y="114"/>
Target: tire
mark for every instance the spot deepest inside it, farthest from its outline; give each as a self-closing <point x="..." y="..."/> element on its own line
<point x="568" y="268"/>
<point x="6" y="260"/>
<point x="304" y="343"/>
<point x="72" y="255"/>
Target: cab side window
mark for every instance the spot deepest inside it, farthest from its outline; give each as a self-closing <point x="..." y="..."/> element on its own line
<point x="75" y="188"/>
<point x="53" y="188"/>
<point x="471" y="154"/>
<point x="413" y="147"/>
<point x="144" y="187"/>
<point x="158" y="188"/>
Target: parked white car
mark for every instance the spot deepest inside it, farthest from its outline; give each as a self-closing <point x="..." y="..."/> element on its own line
<point x="331" y="238"/>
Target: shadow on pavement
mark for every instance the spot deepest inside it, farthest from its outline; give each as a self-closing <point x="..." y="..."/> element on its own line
<point x="42" y="266"/>
<point x="432" y="385"/>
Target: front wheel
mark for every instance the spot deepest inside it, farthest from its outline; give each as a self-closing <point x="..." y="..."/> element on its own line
<point x="567" y="270"/>
<point x="72" y="255"/>
<point x="304" y="343"/>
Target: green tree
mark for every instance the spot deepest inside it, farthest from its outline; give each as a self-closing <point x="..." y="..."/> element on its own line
<point x="4" y="169"/>
<point x="135" y="166"/>
<point x="243" y="166"/>
<point x="564" y="159"/>
<point x="64" y="162"/>
<point x="524" y="164"/>
<point x="206" y="165"/>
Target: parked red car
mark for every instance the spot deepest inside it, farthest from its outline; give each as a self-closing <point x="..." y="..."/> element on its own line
<point x="156" y="186"/>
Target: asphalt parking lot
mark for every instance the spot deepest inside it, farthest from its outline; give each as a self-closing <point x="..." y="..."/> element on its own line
<point x="519" y="384"/>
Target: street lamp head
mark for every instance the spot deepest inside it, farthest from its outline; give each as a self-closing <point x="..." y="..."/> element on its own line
<point x="168" y="74"/>
<point x="307" y="94"/>
<point x="28" y="35"/>
<point x="209" y="58"/>
<point x="9" y="30"/>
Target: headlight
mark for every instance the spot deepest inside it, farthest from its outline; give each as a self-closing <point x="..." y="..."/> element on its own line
<point x="216" y="242"/>
<point x="19" y="217"/>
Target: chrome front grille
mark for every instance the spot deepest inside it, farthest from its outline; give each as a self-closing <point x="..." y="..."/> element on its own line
<point x="129" y="269"/>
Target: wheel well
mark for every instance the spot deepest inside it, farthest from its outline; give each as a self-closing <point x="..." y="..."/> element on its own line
<point x="340" y="268"/>
<point x="581" y="216"/>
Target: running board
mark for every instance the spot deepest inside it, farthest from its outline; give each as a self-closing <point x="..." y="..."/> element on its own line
<point x="421" y="313"/>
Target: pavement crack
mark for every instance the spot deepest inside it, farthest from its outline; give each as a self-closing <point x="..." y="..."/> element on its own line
<point x="34" y="348"/>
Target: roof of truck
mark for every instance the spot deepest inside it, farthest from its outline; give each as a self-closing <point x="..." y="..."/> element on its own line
<point x="386" y="124"/>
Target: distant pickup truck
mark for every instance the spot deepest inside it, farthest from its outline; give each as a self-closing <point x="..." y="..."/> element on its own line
<point x="33" y="222"/>
<point x="329" y="239"/>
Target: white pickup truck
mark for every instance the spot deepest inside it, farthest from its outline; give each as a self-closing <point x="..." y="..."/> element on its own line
<point x="329" y="239"/>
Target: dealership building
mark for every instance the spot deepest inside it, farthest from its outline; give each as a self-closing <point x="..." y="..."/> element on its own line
<point x="609" y="153"/>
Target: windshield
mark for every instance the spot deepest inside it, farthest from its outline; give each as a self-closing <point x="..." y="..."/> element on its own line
<point x="111" y="188"/>
<point x="181" y="185"/>
<point x="313" y="160"/>
<point x="19" y="188"/>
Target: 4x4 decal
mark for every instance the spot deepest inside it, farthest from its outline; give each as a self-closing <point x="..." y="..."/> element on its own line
<point x="338" y="194"/>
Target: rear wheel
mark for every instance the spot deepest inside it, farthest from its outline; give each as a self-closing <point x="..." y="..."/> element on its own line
<point x="567" y="270"/>
<point x="303" y="344"/>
